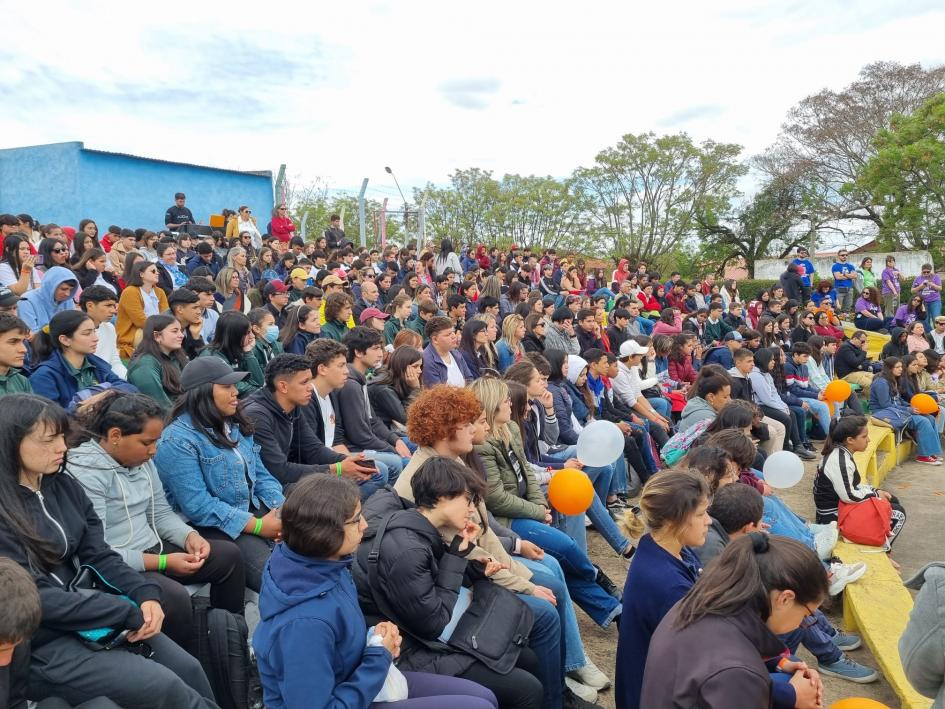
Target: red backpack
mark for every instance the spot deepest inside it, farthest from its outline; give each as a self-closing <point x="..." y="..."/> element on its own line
<point x="866" y="522"/>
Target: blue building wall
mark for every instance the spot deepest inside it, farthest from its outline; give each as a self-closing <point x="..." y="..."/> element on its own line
<point x="64" y="183"/>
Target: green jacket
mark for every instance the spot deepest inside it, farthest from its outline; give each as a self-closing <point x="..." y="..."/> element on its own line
<point x="391" y="328"/>
<point x="714" y="332"/>
<point x="14" y="383"/>
<point x="256" y="378"/>
<point x="502" y="496"/>
<point x="334" y="330"/>
<point x="145" y="373"/>
<point x="264" y="351"/>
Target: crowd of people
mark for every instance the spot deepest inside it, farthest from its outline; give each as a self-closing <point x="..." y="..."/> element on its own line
<point x="364" y="438"/>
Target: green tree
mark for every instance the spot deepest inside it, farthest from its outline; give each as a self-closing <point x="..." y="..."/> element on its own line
<point x="906" y="176"/>
<point x="648" y="190"/>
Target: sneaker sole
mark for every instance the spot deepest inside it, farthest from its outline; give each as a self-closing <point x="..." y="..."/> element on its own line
<point x="848" y="648"/>
<point x="858" y="680"/>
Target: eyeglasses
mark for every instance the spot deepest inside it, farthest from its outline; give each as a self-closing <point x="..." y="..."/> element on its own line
<point x="356" y="520"/>
<point x="810" y="620"/>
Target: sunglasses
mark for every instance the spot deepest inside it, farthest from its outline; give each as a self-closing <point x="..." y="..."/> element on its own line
<point x="58" y="251"/>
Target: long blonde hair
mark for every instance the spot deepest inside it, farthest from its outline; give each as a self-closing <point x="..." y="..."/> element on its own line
<point x="492" y="393"/>
<point x="509" y="326"/>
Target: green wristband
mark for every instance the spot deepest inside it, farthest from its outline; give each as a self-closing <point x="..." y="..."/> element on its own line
<point x="162" y="562"/>
<point x="338" y="468"/>
<point x="258" y="528"/>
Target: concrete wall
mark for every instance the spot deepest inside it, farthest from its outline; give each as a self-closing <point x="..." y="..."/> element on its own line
<point x="64" y="183"/>
<point x="909" y="263"/>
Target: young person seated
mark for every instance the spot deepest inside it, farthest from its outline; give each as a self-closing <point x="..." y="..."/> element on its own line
<point x="772" y="405"/>
<point x="140" y="299"/>
<point x="799" y="384"/>
<point x="54" y="295"/>
<point x="301" y="328"/>
<point x="50" y="529"/>
<point x="101" y="304"/>
<point x="13" y="337"/>
<point x="673" y="506"/>
<point x="709" y="395"/>
<point x="233" y="342"/>
<point x="67" y="364"/>
<point x="312" y="644"/>
<point x="887" y="404"/>
<point x="158" y="360"/>
<point x="184" y="304"/>
<point x="395" y="386"/>
<point x="338" y="309"/>
<point x="115" y="468"/>
<point x="210" y="468"/>
<point x="289" y="445"/>
<point x="441" y="363"/>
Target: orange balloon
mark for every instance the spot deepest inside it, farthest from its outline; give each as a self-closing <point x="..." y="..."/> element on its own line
<point x="858" y="703"/>
<point x="837" y="391"/>
<point x="570" y="492"/>
<point x="924" y="404"/>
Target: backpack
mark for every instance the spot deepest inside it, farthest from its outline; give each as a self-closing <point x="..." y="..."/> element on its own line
<point x="868" y="522"/>
<point x="677" y="446"/>
<point x="220" y="643"/>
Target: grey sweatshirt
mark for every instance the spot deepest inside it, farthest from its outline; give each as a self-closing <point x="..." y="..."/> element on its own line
<point x="921" y="645"/>
<point x="131" y="503"/>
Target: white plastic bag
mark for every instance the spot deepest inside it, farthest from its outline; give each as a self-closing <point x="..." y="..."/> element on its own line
<point x="395" y="685"/>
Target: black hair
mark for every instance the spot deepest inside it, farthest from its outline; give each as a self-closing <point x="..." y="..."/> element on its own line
<point x="801" y="348"/>
<point x="361" y="339"/>
<point x="11" y="249"/>
<point x="199" y="284"/>
<point x="45" y="250"/>
<point x="126" y="411"/>
<point x="711" y="384"/>
<point x="710" y="462"/>
<point x="181" y="296"/>
<point x="393" y="374"/>
<point x="285" y="365"/>
<point x="322" y="351"/>
<point x="556" y="358"/>
<point x="735" y="414"/>
<point x="315" y="513"/>
<point x="734" y="506"/>
<point x="22" y="611"/>
<point x="740" y="447"/>
<point x="172" y="364"/>
<point x="763" y="358"/>
<point x="136" y="271"/>
<point x="9" y="322"/>
<point x="840" y="430"/>
<point x="441" y="477"/>
<point x="293" y="323"/>
<point x="96" y="294"/>
<point x="467" y="341"/>
<point x="437" y="325"/>
<point x="65" y="322"/>
<point x="206" y="417"/>
<point x="229" y="335"/>
<point x="19" y="415"/>
<point x="745" y="573"/>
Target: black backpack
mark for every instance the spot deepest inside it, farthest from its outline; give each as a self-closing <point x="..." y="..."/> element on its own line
<point x="220" y="643"/>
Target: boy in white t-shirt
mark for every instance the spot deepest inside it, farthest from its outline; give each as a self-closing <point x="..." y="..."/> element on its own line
<point x="100" y="304"/>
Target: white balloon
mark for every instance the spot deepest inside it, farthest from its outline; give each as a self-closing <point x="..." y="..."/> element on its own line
<point x="599" y="444"/>
<point x="783" y="469"/>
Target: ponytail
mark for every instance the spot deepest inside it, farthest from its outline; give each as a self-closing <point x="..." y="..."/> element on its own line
<point x="669" y="498"/>
<point x="747" y="571"/>
<point x="840" y="430"/>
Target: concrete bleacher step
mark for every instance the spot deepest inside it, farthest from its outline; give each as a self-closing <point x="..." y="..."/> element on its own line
<point x="877" y="606"/>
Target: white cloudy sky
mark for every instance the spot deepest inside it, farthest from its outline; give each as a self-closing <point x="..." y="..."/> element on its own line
<point x="339" y="90"/>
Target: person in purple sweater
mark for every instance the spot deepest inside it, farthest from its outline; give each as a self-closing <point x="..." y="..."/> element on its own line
<point x="930" y="286"/>
<point x="674" y="505"/>
<point x="890" y="287"/>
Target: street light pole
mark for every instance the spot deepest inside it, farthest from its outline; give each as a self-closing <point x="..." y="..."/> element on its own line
<point x="406" y="212"/>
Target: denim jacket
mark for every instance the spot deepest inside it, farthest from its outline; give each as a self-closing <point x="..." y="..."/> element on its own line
<point x="211" y="485"/>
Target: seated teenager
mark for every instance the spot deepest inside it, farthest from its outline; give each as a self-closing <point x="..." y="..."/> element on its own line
<point x="516" y="499"/>
<point x="316" y="650"/>
<point x="50" y="530"/>
<point x="441" y="363"/>
<point x="673" y="505"/>
<point x="359" y="429"/>
<point x="772" y="405"/>
<point x="101" y="304"/>
<point x="233" y="342"/>
<point x="159" y="359"/>
<point x="472" y="346"/>
<point x="419" y="583"/>
<point x="396" y="386"/>
<point x="185" y="305"/>
<point x="263" y="325"/>
<point x="800" y="385"/>
<point x="141" y="298"/>
<point x="67" y="364"/>
<point x="211" y="470"/>
<point x="55" y="294"/>
<point x="302" y="326"/>
<point x="115" y="469"/>
<point x="289" y="445"/>
<point x="887" y="404"/>
<point x="13" y="335"/>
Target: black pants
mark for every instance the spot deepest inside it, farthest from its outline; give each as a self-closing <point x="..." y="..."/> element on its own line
<point x="519" y="689"/>
<point x="97" y="703"/>
<point x="254" y="550"/>
<point x="792" y="436"/>
<point x="898" y="519"/>
<point x="631" y="451"/>
<point x="225" y="573"/>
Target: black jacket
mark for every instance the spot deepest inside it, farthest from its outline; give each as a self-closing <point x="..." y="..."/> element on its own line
<point x="290" y="448"/>
<point x="850" y="358"/>
<point x="741" y="387"/>
<point x="588" y="340"/>
<point x="801" y="334"/>
<point x="87" y="277"/>
<point x="792" y="283"/>
<point x="617" y="337"/>
<point x="896" y="347"/>
<point x="62" y="513"/>
<point x="386" y="404"/>
<point x="358" y="427"/>
<point x="530" y="343"/>
<point x="419" y="580"/>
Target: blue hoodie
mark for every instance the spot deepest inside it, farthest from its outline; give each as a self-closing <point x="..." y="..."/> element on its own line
<point x="311" y="641"/>
<point x="37" y="307"/>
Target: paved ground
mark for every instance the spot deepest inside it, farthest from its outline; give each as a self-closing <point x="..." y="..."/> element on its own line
<point x="920" y="488"/>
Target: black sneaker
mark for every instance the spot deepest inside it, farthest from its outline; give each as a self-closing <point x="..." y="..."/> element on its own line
<point x="804" y="454"/>
<point x="808" y="446"/>
<point x="572" y="701"/>
<point x="604" y="581"/>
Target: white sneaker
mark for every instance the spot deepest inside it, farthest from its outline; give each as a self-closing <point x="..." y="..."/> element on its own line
<point x="825" y="538"/>
<point x="591" y="676"/>
<point x="843" y="574"/>
<point x="588" y="694"/>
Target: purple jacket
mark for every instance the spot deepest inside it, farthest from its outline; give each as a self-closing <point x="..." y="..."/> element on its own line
<point x="929" y="295"/>
<point x="892" y="275"/>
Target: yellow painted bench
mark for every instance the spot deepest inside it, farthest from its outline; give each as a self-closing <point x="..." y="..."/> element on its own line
<point x="874" y="340"/>
<point x="878" y="607"/>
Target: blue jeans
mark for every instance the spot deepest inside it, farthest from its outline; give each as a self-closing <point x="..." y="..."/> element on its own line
<point x="548" y="573"/>
<point x="545" y="642"/>
<point x="579" y="572"/>
<point x="821" y="411"/>
<point x="932" y="311"/>
<point x="818" y="639"/>
<point x="926" y="436"/>
<point x="662" y="407"/>
<point x="391" y="460"/>
<point x="862" y="322"/>
<point x="368" y="487"/>
<point x="800" y="416"/>
<point x="646" y="450"/>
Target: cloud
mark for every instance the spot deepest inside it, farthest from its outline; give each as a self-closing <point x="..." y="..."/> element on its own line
<point x="694" y="113"/>
<point x="471" y="94"/>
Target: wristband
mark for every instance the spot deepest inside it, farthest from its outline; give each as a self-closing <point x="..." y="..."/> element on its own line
<point x="338" y="468"/>
<point x="258" y="528"/>
<point x="162" y="562"/>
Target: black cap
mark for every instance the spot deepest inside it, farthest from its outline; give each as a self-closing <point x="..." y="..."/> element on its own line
<point x="209" y="370"/>
<point x="562" y="314"/>
<point x="8" y="297"/>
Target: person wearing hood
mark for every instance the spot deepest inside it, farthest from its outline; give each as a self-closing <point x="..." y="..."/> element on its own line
<point x="289" y="445"/>
<point x="621" y="273"/>
<point x="115" y="469"/>
<point x="766" y="395"/>
<point x="710" y="394"/>
<point x="723" y="355"/>
<point x="793" y="283"/>
<point x="54" y="295"/>
<point x="897" y="346"/>
<point x="312" y="644"/>
<point x="920" y="646"/>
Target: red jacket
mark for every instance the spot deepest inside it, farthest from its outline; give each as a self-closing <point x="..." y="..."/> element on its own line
<point x="682" y="371"/>
<point x="283" y="228"/>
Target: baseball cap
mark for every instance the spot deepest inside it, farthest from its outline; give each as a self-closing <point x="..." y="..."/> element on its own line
<point x="632" y="347"/>
<point x="369" y="313"/>
<point x="549" y="300"/>
<point x="209" y="370"/>
<point x="298" y="273"/>
<point x="332" y="280"/>
<point x="8" y="297"/>
<point x="562" y="314"/>
<point x="730" y="336"/>
<point x="275" y="286"/>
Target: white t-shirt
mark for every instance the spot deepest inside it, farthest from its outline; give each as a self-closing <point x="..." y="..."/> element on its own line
<point x="107" y="349"/>
<point x="454" y="375"/>
<point x="328" y="417"/>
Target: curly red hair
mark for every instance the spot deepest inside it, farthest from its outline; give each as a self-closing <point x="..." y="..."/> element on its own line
<point x="438" y="412"/>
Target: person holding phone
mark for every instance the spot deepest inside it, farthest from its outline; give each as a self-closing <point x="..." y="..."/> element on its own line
<point x="18" y="270"/>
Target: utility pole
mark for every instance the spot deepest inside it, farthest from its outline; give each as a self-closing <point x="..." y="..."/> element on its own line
<point x="361" y="225"/>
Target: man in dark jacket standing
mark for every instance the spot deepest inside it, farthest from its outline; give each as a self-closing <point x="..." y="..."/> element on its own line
<point x="334" y="235"/>
<point x="852" y="364"/>
<point x="792" y="283"/>
<point x="285" y="431"/>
